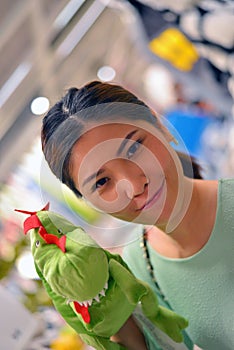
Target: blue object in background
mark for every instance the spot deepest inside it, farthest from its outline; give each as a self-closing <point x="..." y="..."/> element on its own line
<point x="190" y="126"/>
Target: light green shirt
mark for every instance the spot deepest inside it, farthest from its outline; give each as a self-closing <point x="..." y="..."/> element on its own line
<point x="201" y="287"/>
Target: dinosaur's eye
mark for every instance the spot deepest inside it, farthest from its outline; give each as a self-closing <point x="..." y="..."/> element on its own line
<point x="60" y="231"/>
<point x="37" y="244"/>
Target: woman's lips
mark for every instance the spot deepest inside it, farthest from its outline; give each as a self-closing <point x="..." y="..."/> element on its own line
<point x="153" y="199"/>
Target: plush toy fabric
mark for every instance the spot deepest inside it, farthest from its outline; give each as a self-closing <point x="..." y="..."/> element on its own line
<point x="93" y="290"/>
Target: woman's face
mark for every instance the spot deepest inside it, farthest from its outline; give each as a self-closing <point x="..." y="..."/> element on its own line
<point x="128" y="171"/>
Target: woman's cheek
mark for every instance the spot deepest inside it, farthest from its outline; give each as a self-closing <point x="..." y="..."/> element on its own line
<point x="110" y="201"/>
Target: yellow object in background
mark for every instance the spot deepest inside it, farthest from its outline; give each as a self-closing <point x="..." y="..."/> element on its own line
<point x="67" y="340"/>
<point x="172" y="46"/>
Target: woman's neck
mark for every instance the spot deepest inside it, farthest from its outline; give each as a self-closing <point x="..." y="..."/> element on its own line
<point x="194" y="228"/>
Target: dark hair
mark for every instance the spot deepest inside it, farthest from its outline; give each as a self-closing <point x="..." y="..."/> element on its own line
<point x="66" y="120"/>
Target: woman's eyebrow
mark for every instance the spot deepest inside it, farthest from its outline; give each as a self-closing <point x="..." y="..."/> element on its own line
<point x="124" y="142"/>
<point x="93" y="176"/>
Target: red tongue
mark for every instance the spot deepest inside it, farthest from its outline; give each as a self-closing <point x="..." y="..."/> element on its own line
<point x="83" y="310"/>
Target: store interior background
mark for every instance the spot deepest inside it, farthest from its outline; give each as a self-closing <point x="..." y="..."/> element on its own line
<point x="47" y="46"/>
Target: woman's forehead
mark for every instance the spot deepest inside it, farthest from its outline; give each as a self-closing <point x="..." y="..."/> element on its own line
<point x="107" y="130"/>
<point x="112" y="128"/>
<point x="100" y="138"/>
<point x="112" y="131"/>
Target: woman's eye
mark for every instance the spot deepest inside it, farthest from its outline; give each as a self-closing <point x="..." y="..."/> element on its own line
<point x="133" y="148"/>
<point x="101" y="182"/>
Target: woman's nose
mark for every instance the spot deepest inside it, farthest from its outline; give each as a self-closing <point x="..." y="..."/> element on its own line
<point x="135" y="187"/>
<point x="133" y="183"/>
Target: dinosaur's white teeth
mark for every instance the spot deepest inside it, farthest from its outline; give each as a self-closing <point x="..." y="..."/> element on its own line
<point x="90" y="302"/>
<point x="87" y="302"/>
<point x="79" y="302"/>
<point x="102" y="293"/>
<point x="83" y="303"/>
<point x="68" y="301"/>
<point x="97" y="298"/>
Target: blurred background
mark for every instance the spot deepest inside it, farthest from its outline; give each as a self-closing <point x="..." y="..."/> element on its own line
<point x="175" y="55"/>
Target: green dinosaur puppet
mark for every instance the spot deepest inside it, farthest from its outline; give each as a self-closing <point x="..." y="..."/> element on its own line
<point x="91" y="288"/>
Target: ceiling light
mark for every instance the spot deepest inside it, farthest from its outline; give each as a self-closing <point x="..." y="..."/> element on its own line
<point x="67" y="13"/>
<point x="80" y="29"/>
<point x="14" y="81"/>
<point x="40" y="105"/>
<point x="106" y="73"/>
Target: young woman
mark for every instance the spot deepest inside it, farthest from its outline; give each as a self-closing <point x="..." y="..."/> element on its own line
<point x="110" y="148"/>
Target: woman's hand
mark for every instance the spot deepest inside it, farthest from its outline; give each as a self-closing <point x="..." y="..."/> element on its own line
<point x="130" y="336"/>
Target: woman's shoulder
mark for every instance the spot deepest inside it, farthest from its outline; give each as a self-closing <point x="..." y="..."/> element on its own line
<point x="226" y="201"/>
<point x="216" y="191"/>
<point x="223" y="184"/>
<point x="226" y="184"/>
<point x="225" y="193"/>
